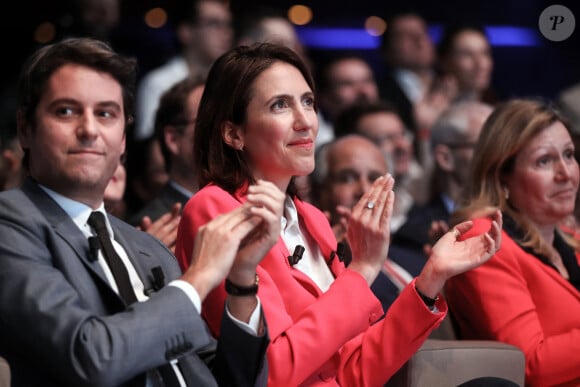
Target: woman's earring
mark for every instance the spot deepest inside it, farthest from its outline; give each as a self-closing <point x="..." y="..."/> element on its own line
<point x="506" y="193"/>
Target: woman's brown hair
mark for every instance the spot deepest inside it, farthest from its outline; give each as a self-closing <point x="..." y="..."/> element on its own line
<point x="227" y="93"/>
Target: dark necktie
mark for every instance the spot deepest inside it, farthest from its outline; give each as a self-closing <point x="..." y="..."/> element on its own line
<point x="120" y="273"/>
<point x="119" y="270"/>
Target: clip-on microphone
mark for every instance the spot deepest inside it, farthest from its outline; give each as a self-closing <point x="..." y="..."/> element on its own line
<point x="158" y="280"/>
<point x="297" y="256"/>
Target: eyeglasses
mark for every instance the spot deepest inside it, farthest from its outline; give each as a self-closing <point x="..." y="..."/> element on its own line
<point x="393" y="138"/>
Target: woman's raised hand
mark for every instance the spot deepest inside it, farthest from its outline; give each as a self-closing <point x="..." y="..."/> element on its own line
<point x="265" y="202"/>
<point x="451" y="255"/>
<point x="369" y="228"/>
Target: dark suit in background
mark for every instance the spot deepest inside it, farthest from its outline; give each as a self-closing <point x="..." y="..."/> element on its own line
<point x="383" y="287"/>
<point x="161" y="204"/>
<point x="390" y="91"/>
<point x="414" y="233"/>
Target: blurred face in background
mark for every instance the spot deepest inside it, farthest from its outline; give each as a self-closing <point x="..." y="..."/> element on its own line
<point x="388" y="131"/>
<point x="116" y="187"/>
<point x="184" y="139"/>
<point x="280" y="31"/>
<point x="99" y="17"/>
<point x="410" y="46"/>
<point x="462" y="149"/>
<point x="212" y="34"/>
<point x="544" y="180"/>
<point x="470" y="61"/>
<point x="350" y="80"/>
<point x="354" y="163"/>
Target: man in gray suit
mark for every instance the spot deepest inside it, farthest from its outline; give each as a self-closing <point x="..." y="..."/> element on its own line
<point x="67" y="318"/>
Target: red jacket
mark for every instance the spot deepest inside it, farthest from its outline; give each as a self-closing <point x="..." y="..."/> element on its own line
<point x="517" y="299"/>
<point x="318" y="338"/>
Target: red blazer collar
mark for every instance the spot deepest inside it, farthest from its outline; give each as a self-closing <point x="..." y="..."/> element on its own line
<point x="316" y="224"/>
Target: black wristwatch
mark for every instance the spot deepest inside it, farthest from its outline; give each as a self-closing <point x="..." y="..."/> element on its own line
<point x="430" y="302"/>
<point x="237" y="290"/>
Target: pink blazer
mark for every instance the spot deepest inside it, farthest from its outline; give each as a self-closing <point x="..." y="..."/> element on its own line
<point x="317" y="339"/>
<point x="517" y="299"/>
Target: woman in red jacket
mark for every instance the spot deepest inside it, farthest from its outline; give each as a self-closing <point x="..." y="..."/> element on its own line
<point x="528" y="293"/>
<point x="257" y="122"/>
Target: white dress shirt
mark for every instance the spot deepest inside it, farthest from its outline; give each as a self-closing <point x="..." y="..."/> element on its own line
<point x="312" y="263"/>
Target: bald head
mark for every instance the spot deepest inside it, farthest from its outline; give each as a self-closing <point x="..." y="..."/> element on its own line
<point x="346" y="168"/>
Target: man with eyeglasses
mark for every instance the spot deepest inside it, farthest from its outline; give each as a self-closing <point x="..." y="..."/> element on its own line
<point x="204" y="31"/>
<point x="453" y="138"/>
<point x="174" y="128"/>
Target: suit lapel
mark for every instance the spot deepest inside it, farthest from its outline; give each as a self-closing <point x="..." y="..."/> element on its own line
<point x="63" y="226"/>
<point x="142" y="261"/>
<point x="70" y="234"/>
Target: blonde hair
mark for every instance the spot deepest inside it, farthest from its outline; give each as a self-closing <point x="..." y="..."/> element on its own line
<point x="506" y="131"/>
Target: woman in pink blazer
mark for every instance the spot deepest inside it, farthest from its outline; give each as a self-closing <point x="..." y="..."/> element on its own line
<point x="255" y="131"/>
<point x="528" y="293"/>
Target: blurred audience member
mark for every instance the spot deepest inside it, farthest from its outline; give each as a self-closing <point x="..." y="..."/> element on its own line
<point x="382" y="124"/>
<point x="146" y="174"/>
<point x="343" y="82"/>
<point x="267" y="24"/>
<point x="94" y="18"/>
<point x="464" y="52"/>
<point x="453" y="138"/>
<point x="345" y="169"/>
<point x="174" y="128"/>
<point x="204" y="32"/>
<point x="528" y="294"/>
<point x="410" y="82"/>
<point x="11" y="172"/>
<point x="163" y="228"/>
<point x="569" y="103"/>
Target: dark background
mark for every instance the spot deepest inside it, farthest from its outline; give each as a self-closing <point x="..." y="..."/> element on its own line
<point x="543" y="70"/>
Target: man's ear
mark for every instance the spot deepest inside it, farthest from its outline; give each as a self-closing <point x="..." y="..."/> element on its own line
<point x="23" y="130"/>
<point x="233" y="135"/>
<point x="444" y="158"/>
<point x="170" y="138"/>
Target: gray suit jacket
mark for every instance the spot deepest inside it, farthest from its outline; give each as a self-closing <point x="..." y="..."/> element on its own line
<point x="61" y="324"/>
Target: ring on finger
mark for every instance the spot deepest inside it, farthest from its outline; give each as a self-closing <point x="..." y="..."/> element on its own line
<point x="370" y="205"/>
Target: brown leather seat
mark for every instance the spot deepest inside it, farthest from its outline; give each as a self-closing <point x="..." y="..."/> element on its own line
<point x="446" y="361"/>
